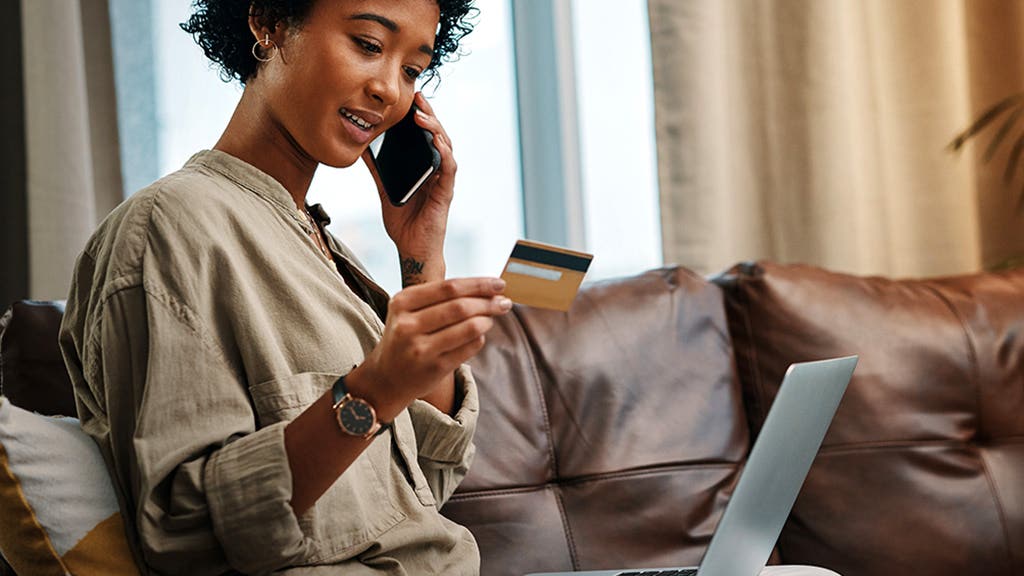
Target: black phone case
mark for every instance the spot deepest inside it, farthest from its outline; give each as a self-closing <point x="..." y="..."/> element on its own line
<point x="405" y="156"/>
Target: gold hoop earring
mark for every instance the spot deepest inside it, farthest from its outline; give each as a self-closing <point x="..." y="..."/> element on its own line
<point x="267" y="44"/>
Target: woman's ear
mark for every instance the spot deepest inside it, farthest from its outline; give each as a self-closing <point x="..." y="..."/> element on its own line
<point x="257" y="25"/>
<point x="262" y="26"/>
<point x="268" y="36"/>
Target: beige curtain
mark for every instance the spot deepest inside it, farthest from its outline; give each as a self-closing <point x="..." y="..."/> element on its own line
<point x="815" y="131"/>
<point x="73" y="174"/>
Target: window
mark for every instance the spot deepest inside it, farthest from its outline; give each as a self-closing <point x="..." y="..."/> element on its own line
<point x="587" y="130"/>
<point x="616" y="110"/>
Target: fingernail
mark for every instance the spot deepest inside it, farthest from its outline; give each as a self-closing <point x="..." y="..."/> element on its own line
<point x="498" y="284"/>
<point x="504" y="304"/>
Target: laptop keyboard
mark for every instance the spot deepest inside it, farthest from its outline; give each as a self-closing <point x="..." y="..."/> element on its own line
<point x="687" y="572"/>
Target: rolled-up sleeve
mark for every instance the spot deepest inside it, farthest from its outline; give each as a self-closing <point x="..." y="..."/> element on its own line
<point x="445" y="443"/>
<point x="249" y="487"/>
<point x="205" y="490"/>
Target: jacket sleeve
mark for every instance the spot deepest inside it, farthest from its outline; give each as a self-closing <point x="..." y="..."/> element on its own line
<point x="445" y="443"/>
<point x="202" y="489"/>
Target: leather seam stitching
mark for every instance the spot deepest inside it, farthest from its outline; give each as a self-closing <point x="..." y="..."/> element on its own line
<point x="569" y="540"/>
<point x="994" y="490"/>
<point x="651" y="471"/>
<point x="552" y="455"/>
<point x="972" y="352"/>
<point x="754" y="373"/>
<point x="839" y="449"/>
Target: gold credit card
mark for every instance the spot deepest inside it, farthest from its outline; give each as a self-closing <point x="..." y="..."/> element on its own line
<point x="543" y="275"/>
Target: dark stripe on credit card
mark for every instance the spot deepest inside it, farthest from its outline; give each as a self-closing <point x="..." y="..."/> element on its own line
<point x="550" y="257"/>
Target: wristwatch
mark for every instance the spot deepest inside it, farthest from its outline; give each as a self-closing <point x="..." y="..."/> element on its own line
<point x="356" y="417"/>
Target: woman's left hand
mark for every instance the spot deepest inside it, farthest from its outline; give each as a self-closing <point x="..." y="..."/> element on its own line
<point x="418" y="228"/>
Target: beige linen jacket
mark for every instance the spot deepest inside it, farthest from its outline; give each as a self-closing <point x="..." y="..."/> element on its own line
<point x="201" y="319"/>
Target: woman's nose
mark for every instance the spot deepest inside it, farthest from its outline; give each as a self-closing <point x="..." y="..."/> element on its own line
<point x="384" y="88"/>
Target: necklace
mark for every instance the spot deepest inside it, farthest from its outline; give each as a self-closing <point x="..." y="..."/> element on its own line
<point x="317" y="237"/>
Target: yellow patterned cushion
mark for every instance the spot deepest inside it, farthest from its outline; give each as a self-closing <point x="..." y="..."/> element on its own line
<point x="58" y="510"/>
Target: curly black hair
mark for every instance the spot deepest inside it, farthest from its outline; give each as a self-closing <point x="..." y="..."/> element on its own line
<point x="221" y="28"/>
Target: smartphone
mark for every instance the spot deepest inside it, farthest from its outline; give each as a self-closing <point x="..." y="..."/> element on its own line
<point x="404" y="157"/>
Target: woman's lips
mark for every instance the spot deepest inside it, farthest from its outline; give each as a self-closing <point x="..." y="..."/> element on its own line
<point x="359" y="134"/>
<point x="359" y="119"/>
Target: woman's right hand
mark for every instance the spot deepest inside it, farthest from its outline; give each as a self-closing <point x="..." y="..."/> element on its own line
<point x="431" y="329"/>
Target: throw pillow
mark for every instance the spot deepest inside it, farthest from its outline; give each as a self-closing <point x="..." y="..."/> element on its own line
<point x="58" y="510"/>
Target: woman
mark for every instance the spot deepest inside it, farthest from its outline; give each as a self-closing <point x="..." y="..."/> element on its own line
<point x="233" y="361"/>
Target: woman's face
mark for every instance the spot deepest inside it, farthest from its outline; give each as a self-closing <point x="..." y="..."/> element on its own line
<point x="347" y="73"/>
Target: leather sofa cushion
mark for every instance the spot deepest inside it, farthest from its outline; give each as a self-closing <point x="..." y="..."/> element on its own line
<point x="919" y="473"/>
<point x="32" y="372"/>
<point x="609" y="436"/>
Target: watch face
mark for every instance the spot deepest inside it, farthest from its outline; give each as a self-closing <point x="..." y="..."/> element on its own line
<point x="356" y="417"/>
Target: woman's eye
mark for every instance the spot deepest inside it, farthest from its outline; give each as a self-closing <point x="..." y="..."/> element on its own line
<point x="368" y="46"/>
<point x="412" y="73"/>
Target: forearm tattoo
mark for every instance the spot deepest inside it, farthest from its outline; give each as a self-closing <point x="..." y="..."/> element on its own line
<point x="411" y="271"/>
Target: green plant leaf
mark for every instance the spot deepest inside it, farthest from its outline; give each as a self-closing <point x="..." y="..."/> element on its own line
<point x="984" y="120"/>
<point x="1008" y="264"/>
<point x="1015" y="154"/>
<point x="1004" y="130"/>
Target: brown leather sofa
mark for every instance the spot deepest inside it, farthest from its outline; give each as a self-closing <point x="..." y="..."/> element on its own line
<point x="612" y="435"/>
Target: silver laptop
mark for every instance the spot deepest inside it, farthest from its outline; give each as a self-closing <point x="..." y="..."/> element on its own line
<point x="778" y="463"/>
